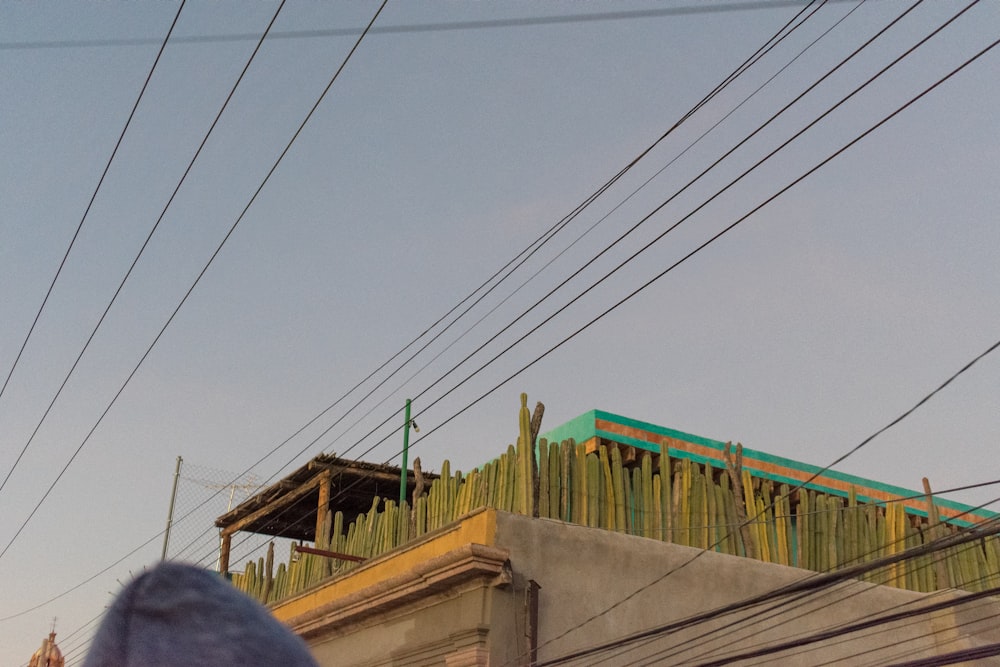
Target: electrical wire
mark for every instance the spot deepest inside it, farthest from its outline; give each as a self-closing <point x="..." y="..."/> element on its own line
<point x="692" y="559"/>
<point x="600" y="220"/>
<point x="145" y="245"/>
<point x="728" y="79"/>
<point x="194" y="284"/>
<point x="965" y="655"/>
<point x="949" y="379"/>
<point x="633" y="256"/>
<point x="820" y="604"/>
<point x="783" y="32"/>
<point x="956" y="374"/>
<point x="522" y="22"/>
<point x="775" y="39"/>
<point x="911" y="651"/>
<point x="778" y="609"/>
<point x="852" y="628"/>
<point x="731" y="226"/>
<point x="83" y="218"/>
<point x="938" y="643"/>
<point x="725" y="230"/>
<point x="784" y="606"/>
<point x="86" y="581"/>
<point x="811" y="583"/>
<point x="856" y="90"/>
<point x="813" y="170"/>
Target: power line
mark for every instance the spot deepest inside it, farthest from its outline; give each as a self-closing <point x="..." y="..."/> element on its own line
<point x="187" y="294"/>
<point x="724" y="231"/>
<point x="882" y="646"/>
<point x="812" y="583"/>
<point x="939" y="643"/>
<point x="636" y="254"/>
<point x="142" y="249"/>
<point x="749" y="61"/>
<point x="84" y="582"/>
<point x="718" y="235"/>
<point x="449" y="26"/>
<point x="773" y="611"/>
<point x="600" y="220"/>
<point x="852" y="628"/>
<point x="776" y="38"/>
<point x="965" y="655"/>
<point x="83" y="218"/>
<point x="730" y="227"/>
<point x="600" y="316"/>
<point x="787" y="605"/>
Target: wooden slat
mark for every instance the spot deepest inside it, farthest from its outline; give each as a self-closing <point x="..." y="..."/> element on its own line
<point x="271" y="507"/>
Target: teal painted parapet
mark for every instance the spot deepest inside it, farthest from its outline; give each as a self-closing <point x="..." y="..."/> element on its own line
<point x="598" y="424"/>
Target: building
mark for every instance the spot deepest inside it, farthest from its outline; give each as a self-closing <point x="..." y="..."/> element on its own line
<point x="48" y="655"/>
<point x="496" y="588"/>
<point x="561" y="553"/>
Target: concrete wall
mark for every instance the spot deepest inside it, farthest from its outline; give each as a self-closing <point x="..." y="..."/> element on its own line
<point x="461" y="596"/>
<point x="583" y="572"/>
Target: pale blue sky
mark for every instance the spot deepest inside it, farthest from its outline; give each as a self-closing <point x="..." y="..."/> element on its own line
<point x="436" y="157"/>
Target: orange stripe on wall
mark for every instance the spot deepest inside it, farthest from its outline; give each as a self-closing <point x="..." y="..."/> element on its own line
<point x="768" y="467"/>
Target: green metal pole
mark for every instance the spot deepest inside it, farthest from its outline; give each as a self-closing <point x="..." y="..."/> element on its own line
<point x="406" y="452"/>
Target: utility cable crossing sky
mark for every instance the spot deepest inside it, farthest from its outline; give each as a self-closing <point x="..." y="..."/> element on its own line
<point x="825" y="88"/>
<point x="196" y="281"/>
<point x="507" y="270"/>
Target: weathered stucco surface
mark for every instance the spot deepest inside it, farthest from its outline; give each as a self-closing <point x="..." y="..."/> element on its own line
<point x="441" y="602"/>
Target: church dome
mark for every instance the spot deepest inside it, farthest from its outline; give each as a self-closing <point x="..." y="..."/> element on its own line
<point x="48" y="655"/>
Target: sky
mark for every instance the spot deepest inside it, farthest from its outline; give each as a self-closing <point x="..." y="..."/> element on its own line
<point x="456" y="135"/>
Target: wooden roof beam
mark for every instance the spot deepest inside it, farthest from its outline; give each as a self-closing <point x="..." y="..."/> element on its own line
<point x="279" y="503"/>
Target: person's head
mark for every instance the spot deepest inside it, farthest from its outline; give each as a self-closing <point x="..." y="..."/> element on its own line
<point x="181" y="615"/>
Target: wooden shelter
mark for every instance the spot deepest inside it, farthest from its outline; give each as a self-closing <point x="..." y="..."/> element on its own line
<point x="297" y="506"/>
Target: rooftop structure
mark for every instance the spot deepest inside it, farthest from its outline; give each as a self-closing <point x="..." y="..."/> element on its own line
<point x="297" y="506"/>
<point x="606" y="471"/>
<point x="597" y="427"/>
<point x="497" y="588"/>
<point x="48" y="655"/>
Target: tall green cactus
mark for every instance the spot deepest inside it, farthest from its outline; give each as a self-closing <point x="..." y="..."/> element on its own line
<point x="670" y="499"/>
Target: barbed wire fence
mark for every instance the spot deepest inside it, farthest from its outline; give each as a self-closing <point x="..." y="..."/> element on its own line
<point x="208" y="493"/>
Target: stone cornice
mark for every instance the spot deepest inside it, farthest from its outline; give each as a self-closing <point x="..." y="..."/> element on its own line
<point x="465" y="564"/>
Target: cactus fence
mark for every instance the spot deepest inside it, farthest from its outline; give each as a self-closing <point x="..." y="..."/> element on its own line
<point x="658" y="497"/>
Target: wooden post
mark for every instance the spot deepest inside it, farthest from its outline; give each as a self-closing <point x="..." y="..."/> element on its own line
<point x="227" y="539"/>
<point x="532" y="621"/>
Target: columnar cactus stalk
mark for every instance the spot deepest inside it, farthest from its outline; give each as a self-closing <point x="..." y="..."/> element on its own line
<point x="594" y="483"/>
<point x="669" y="499"/>
<point x="712" y="532"/>
<point x="543" y="478"/>
<point x="647" y="496"/>
<point x="555" y="482"/>
<point x="526" y="459"/>
<point x="580" y="485"/>
<point x="618" y="487"/>
<point x="608" y="499"/>
<point x="666" y="497"/>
